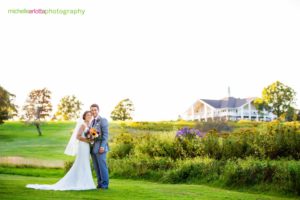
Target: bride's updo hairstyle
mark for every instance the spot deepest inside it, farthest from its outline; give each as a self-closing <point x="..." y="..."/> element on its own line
<point x="85" y="113"/>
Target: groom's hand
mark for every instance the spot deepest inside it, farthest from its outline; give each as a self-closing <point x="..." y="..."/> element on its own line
<point x="101" y="150"/>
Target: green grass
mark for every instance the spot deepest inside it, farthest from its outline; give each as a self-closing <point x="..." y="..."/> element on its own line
<point x="31" y="171"/>
<point x="56" y="173"/>
<point x="13" y="187"/>
<point x="20" y="140"/>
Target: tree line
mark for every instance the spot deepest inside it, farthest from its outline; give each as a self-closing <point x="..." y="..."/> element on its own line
<point x="277" y="98"/>
<point x="38" y="107"/>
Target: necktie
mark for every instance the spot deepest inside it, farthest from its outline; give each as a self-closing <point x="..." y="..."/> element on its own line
<point x="94" y="120"/>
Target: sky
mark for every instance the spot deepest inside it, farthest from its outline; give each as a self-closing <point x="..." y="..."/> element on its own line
<point x="162" y="54"/>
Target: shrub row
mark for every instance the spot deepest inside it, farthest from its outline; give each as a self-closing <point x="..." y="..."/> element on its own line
<point x="278" y="175"/>
<point x="273" y="141"/>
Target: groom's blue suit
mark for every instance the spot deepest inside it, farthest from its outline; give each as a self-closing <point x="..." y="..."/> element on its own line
<point x="99" y="159"/>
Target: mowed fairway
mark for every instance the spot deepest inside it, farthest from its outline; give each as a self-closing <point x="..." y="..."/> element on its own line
<point x="13" y="187"/>
<point x="22" y="140"/>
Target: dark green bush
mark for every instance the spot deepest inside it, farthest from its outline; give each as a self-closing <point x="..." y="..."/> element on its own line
<point x="153" y="145"/>
<point x="277" y="175"/>
<point x="198" y="170"/>
<point x="278" y="140"/>
<point x="123" y="146"/>
<point x="187" y="147"/>
<point x="211" y="145"/>
<point x="282" y="175"/>
<point x="218" y="126"/>
<point x="156" y="126"/>
<point x="135" y="167"/>
<point x="239" y="145"/>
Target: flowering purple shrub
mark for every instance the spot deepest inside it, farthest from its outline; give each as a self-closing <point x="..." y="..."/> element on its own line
<point x="189" y="133"/>
<point x="188" y="143"/>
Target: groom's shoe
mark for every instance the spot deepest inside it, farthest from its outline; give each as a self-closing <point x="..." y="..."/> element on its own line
<point x="99" y="187"/>
<point x="103" y="187"/>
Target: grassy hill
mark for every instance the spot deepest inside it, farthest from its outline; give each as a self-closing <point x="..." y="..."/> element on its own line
<point x="21" y="140"/>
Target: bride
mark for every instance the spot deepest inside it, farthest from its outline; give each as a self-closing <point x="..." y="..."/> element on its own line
<point x="79" y="177"/>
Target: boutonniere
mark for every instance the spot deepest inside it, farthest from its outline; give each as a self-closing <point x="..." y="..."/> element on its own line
<point x="97" y="121"/>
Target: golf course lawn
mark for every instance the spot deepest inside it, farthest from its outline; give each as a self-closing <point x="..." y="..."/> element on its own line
<point x="13" y="187"/>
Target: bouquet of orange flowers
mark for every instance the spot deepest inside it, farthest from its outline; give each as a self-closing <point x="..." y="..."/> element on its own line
<point x="92" y="134"/>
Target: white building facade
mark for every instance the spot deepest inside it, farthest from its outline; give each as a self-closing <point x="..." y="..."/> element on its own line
<point x="229" y="108"/>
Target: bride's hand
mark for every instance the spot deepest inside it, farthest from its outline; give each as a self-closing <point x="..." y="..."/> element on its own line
<point x="86" y="140"/>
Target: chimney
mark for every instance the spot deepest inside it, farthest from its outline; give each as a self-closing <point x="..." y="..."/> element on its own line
<point x="229" y="92"/>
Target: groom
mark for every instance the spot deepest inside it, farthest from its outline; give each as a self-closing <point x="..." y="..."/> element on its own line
<point x="100" y="148"/>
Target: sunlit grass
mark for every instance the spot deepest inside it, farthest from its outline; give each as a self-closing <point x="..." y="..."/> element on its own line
<point x="21" y="140"/>
<point x="13" y="187"/>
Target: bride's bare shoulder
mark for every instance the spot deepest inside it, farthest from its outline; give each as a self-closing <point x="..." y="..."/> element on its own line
<point x="83" y="126"/>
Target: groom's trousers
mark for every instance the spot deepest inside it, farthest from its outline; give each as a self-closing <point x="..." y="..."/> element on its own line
<point x="99" y="162"/>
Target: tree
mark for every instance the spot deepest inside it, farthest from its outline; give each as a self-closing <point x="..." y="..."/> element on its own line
<point x="69" y="108"/>
<point x="261" y="106"/>
<point x="291" y="114"/>
<point x="7" y="107"/>
<point x="277" y="98"/>
<point x="38" y="107"/>
<point x="298" y="115"/>
<point x="123" y="110"/>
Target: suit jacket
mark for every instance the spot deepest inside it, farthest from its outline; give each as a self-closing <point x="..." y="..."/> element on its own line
<point x="101" y="125"/>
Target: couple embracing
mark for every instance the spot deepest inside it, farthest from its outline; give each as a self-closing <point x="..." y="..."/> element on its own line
<point x="90" y="137"/>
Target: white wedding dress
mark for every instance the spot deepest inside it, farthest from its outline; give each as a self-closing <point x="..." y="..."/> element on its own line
<point x="79" y="177"/>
